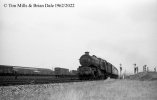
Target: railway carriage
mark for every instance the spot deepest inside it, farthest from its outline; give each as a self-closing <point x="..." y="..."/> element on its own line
<point x="4" y="69"/>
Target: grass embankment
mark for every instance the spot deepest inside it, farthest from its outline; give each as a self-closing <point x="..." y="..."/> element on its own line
<point x="94" y="90"/>
<point x="144" y="76"/>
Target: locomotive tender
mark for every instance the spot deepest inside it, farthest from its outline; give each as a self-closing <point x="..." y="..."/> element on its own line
<point x="93" y="67"/>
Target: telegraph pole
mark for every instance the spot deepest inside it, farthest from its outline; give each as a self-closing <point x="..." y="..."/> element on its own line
<point x="135" y="68"/>
<point x="144" y="68"/>
<point x="147" y="69"/>
<point x="120" y="70"/>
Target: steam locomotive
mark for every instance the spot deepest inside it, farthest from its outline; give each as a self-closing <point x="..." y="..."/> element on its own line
<point x="93" y="67"/>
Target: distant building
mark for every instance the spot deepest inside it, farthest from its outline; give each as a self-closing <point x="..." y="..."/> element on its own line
<point x="73" y="72"/>
<point x="61" y="71"/>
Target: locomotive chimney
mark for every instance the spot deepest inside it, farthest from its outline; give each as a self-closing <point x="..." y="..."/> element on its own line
<point x="86" y="53"/>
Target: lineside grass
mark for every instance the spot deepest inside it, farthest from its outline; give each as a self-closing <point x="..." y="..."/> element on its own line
<point x="109" y="89"/>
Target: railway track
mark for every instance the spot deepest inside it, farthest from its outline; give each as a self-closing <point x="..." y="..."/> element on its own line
<point x="22" y="80"/>
<point x="10" y="83"/>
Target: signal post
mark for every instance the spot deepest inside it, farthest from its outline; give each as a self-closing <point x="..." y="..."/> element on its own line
<point x="120" y="71"/>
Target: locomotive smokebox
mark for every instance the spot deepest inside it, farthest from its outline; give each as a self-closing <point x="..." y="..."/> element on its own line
<point x="85" y="60"/>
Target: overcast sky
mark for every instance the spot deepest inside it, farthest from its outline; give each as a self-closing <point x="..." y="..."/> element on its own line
<point x="119" y="31"/>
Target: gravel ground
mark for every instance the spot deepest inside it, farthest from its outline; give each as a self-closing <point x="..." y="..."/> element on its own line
<point x="109" y="89"/>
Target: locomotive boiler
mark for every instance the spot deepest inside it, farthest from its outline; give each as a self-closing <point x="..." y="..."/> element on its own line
<point x="93" y="67"/>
